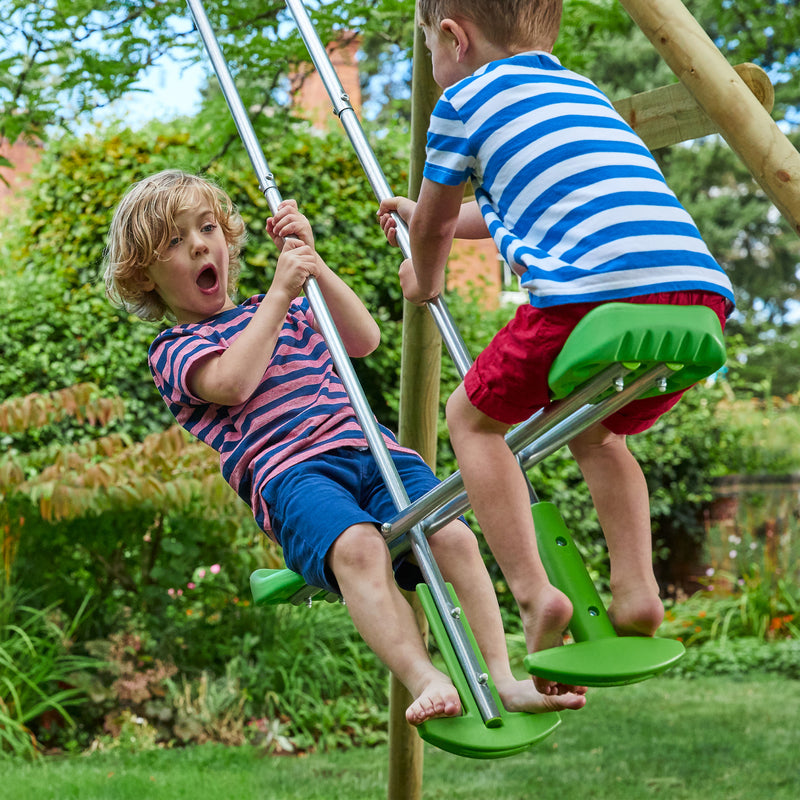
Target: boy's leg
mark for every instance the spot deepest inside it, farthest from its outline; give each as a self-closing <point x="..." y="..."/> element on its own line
<point x="498" y="494"/>
<point x="620" y="496"/>
<point x="360" y="561"/>
<point x="457" y="553"/>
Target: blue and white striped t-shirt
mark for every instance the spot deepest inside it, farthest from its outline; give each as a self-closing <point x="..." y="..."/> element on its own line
<point x="573" y="199"/>
<point x="299" y="410"/>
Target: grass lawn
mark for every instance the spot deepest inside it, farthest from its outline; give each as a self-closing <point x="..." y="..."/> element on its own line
<point x="704" y="739"/>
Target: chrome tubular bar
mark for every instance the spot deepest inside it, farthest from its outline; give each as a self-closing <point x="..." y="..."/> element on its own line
<point x="372" y="169"/>
<point x="534" y="440"/>
<point x="450" y="614"/>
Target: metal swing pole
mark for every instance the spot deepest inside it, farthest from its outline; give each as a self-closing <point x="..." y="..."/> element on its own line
<point x="476" y="678"/>
<point x="350" y="122"/>
<point x="372" y="169"/>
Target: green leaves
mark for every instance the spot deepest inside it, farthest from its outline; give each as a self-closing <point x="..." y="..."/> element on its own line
<point x="64" y="60"/>
<point x="36" y="666"/>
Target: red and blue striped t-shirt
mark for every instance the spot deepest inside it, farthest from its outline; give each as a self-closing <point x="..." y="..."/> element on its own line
<point x="299" y="410"/>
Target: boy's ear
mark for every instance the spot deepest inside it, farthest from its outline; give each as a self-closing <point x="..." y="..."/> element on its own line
<point x="146" y="283"/>
<point x="460" y="36"/>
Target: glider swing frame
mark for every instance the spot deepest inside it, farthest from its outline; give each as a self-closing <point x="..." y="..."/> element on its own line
<point x="619" y="352"/>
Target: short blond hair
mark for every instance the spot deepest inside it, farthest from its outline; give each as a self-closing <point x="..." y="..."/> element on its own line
<point x="142" y="225"/>
<point x="518" y="24"/>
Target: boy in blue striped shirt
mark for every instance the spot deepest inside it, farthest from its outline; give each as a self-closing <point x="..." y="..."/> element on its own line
<point x="578" y="208"/>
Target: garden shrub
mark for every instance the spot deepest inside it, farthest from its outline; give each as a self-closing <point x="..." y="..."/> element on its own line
<point x="307" y="680"/>
<point x="296" y="681"/>
<point x="745" y="656"/>
<point x="38" y="663"/>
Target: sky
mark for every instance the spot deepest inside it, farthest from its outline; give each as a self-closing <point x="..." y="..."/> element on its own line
<point x="173" y="91"/>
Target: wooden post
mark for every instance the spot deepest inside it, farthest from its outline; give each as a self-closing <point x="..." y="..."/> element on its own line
<point x="419" y="412"/>
<point x="741" y="120"/>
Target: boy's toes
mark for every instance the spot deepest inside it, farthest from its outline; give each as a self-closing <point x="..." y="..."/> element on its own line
<point x="435" y="701"/>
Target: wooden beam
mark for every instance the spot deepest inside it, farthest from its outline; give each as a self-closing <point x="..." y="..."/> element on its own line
<point x="668" y="115"/>
<point x="739" y="117"/>
<point x="420" y="375"/>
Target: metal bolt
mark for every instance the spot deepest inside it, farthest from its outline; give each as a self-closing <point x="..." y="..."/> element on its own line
<point x="455" y="613"/>
<point x="483" y="679"/>
<point x="619" y="384"/>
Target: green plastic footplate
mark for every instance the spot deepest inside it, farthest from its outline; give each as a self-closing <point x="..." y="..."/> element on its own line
<point x="467" y="735"/>
<point x="616" y="661"/>
<point x="598" y="657"/>
<point x="688" y="338"/>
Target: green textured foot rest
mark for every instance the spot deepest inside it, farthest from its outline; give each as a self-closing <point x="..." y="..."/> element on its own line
<point x="468" y="735"/>
<point x="689" y="338"/>
<point x="616" y="661"/>
<point x="598" y="657"/>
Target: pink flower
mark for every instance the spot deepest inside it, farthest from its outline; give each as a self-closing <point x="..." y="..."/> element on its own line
<point x="215" y="568"/>
<point x="201" y="573"/>
<point x="190" y="585"/>
<point x="171" y="592"/>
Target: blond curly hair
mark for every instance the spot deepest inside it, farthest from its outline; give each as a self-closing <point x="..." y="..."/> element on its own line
<point x="142" y="225"/>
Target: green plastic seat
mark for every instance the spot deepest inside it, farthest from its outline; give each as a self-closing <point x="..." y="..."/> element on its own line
<point x="277" y="586"/>
<point x="688" y="338"/>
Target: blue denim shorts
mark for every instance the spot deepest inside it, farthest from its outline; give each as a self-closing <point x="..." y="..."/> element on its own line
<point x="313" y="503"/>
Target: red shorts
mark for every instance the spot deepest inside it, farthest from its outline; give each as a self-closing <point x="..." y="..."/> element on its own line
<point x="508" y="381"/>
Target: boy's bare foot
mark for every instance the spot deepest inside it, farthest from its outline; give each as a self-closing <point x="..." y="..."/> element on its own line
<point x="438" y="698"/>
<point x="523" y="696"/>
<point x="636" y="613"/>
<point x="544" y="623"/>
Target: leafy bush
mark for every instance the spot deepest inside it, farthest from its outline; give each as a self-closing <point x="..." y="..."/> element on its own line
<point x="310" y="669"/>
<point x="751" y="611"/>
<point x="298" y="680"/>
<point x="746" y="656"/>
<point x="37" y="671"/>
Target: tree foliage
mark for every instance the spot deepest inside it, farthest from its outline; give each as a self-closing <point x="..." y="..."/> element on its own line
<point x="64" y="59"/>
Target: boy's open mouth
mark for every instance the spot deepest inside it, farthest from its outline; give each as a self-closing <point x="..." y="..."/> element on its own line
<point x="207" y="279"/>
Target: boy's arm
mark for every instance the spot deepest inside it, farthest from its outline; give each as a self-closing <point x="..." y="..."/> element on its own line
<point x="359" y="332"/>
<point x="433" y="226"/>
<point x="471" y="224"/>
